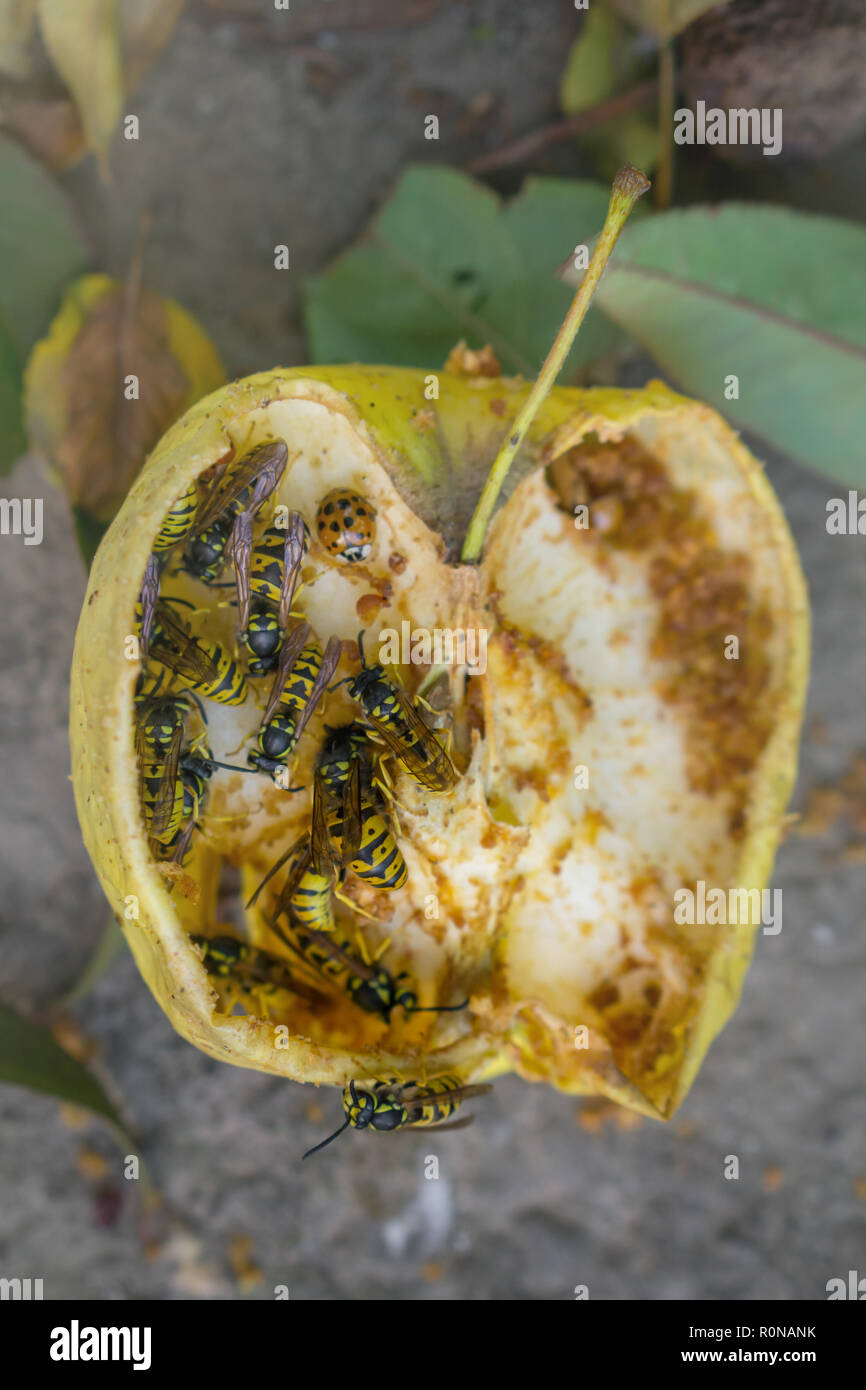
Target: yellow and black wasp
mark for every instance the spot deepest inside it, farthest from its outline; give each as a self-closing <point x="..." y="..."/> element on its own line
<point x="179" y="520"/>
<point x="243" y="484"/>
<point x="355" y="833"/>
<point x="370" y="987"/>
<point x="306" y="895"/>
<point x="173" y="782"/>
<point x="223" y="523"/>
<point x="390" y="1105"/>
<point x="251" y="970"/>
<point x="159" y="738"/>
<point x="306" y="901"/>
<point x="301" y="679"/>
<point x="205" y="556"/>
<point x="393" y="714"/>
<point x="197" y="662"/>
<point x="176" y="525"/>
<point x="269" y="577"/>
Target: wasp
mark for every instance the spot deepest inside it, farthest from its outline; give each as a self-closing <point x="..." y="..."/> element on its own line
<point x="269" y="573"/>
<point x="178" y="521"/>
<point x="198" y="663"/>
<point x="159" y="737"/>
<point x="357" y="833"/>
<point x="223" y="522"/>
<point x="175" y="527"/>
<point x="244" y="485"/>
<point x="346" y="524"/>
<point x="389" y="1105"/>
<point x="305" y="900"/>
<point x="195" y="771"/>
<point x="205" y="556"/>
<point x="173" y="784"/>
<point x="371" y="987"/>
<point x="306" y="894"/>
<point x="249" y="969"/>
<point x="301" y="678"/>
<point x="393" y="714"/>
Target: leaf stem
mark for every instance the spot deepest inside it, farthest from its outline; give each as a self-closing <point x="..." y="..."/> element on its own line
<point x="628" y="186"/>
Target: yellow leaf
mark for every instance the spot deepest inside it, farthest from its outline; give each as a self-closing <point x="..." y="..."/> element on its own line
<point x="84" y="43"/>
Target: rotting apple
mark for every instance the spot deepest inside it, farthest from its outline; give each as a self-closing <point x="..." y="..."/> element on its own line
<point x="611" y="752"/>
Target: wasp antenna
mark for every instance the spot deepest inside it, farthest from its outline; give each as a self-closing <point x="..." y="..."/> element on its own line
<point x="325" y="1142"/>
<point x="193" y="696"/>
<point x="233" y="767"/>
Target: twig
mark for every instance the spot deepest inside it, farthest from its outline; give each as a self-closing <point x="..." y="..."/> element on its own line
<point x="629" y="185"/>
<point x="562" y="130"/>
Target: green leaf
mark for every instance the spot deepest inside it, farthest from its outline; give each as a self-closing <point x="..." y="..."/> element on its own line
<point x="40" y="247"/>
<point x="775" y="297"/>
<point x="548" y="219"/>
<point x="29" y="1056"/>
<point x="591" y="70"/>
<point x="12" y="438"/>
<point x="443" y="262"/>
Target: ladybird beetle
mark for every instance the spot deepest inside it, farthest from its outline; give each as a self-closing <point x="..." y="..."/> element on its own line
<point x="346" y="523"/>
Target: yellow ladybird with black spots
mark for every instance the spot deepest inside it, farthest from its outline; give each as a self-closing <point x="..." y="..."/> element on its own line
<point x="346" y="525"/>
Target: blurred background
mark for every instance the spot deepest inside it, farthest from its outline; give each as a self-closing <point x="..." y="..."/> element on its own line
<point x="258" y="128"/>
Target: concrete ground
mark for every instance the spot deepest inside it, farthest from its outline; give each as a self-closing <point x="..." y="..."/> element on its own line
<point x="244" y="146"/>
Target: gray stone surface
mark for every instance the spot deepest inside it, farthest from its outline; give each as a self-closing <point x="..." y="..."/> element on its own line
<point x="237" y="154"/>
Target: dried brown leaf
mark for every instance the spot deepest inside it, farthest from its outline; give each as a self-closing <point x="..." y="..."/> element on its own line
<point x="108" y="436"/>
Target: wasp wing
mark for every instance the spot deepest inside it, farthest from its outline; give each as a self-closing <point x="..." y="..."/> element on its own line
<point x="460" y="1093"/>
<point x="289" y="652"/>
<point x="330" y="661"/>
<point x="324" y="856"/>
<point x="149" y="600"/>
<point x="334" y="948"/>
<point x="240" y="552"/>
<point x="352" y="824"/>
<point x="441" y="1128"/>
<point x="261" y="468"/>
<point x="175" y="646"/>
<point x="425" y="758"/>
<point x="293" y="555"/>
<point x="164" y="801"/>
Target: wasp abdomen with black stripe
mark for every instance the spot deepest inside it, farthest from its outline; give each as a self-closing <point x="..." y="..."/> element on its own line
<point x="178" y="522"/>
<point x="377" y="858"/>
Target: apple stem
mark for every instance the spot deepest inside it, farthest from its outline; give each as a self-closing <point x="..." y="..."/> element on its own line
<point x="628" y="186"/>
